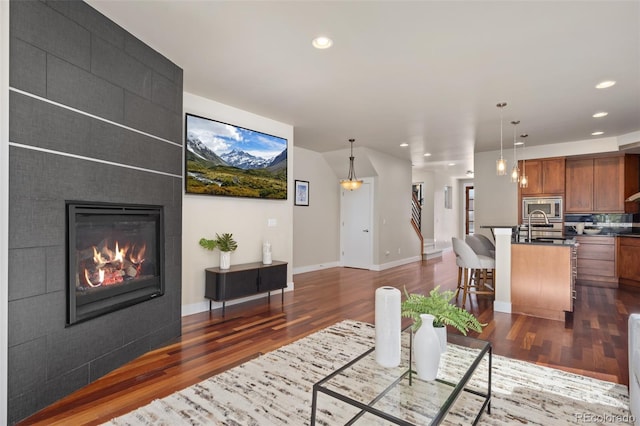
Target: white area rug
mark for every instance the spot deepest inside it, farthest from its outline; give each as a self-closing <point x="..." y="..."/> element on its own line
<point x="276" y="389"/>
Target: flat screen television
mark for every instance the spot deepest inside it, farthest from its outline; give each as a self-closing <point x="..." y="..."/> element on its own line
<point x="228" y="160"/>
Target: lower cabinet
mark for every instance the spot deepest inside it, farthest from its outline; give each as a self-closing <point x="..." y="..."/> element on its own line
<point x="244" y="280"/>
<point x="542" y="280"/>
<point x="597" y="261"/>
<point x="629" y="261"/>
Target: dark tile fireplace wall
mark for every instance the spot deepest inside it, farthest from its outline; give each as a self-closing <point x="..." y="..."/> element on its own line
<point x="95" y="115"/>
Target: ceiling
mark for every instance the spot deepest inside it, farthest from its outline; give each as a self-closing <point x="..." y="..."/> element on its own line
<point x="426" y="73"/>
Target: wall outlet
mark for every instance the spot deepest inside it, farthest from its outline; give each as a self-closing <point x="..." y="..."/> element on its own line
<point x="398" y="250"/>
<point x="387" y="253"/>
<point x="272" y="222"/>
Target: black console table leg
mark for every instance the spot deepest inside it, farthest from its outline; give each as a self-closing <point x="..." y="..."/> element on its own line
<point x="223" y="307"/>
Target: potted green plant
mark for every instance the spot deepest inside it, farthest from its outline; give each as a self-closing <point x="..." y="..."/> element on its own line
<point x="438" y="303"/>
<point x="225" y="243"/>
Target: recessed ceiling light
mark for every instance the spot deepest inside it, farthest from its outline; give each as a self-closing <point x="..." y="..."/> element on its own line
<point x="519" y="143"/>
<point x="600" y="114"/>
<point x="322" y="42"/>
<point x="427" y="154"/>
<point x="452" y="164"/>
<point x="404" y="144"/>
<point x="597" y="133"/>
<point x="605" y="84"/>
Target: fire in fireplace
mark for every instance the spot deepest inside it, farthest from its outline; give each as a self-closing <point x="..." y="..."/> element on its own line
<point x="114" y="257"/>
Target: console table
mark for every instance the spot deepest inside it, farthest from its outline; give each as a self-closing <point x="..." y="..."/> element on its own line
<point x="244" y="280"/>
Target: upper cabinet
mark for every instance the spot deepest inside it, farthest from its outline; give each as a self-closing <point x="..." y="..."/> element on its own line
<point x="601" y="184"/>
<point x="546" y="177"/>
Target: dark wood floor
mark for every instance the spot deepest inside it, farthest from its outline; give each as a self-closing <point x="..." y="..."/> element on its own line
<point x="593" y="342"/>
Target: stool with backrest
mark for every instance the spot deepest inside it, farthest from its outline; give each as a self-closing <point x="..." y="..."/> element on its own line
<point x="487" y="243"/>
<point x="483" y="248"/>
<point x="467" y="260"/>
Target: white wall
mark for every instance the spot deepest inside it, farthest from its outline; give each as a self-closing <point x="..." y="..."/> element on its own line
<point x="316" y="228"/>
<point x="445" y="220"/>
<point x="396" y="241"/>
<point x="245" y="218"/>
<point x="4" y="205"/>
<point x="496" y="197"/>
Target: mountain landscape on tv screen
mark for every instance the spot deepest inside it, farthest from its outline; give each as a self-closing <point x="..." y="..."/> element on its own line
<point x="246" y="164"/>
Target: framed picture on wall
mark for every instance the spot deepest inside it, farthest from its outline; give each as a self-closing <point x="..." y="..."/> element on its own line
<point x="302" y="193"/>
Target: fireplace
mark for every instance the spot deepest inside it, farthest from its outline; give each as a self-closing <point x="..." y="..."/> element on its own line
<point x="114" y="257"/>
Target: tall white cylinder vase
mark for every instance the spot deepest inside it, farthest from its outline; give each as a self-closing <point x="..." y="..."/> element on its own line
<point x="388" y="326"/>
<point x="225" y="259"/>
<point x="426" y="349"/>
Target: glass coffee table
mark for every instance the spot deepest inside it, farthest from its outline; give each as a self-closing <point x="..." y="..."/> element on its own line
<point x="363" y="392"/>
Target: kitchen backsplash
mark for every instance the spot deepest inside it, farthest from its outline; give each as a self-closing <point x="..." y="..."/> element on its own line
<point x="609" y="223"/>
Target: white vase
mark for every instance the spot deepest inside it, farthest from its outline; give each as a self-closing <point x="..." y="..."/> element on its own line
<point x="266" y="253"/>
<point x="426" y="349"/>
<point x="442" y="336"/>
<point x="388" y="326"/>
<point x="225" y="259"/>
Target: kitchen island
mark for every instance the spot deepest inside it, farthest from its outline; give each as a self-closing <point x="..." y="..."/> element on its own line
<point x="543" y="274"/>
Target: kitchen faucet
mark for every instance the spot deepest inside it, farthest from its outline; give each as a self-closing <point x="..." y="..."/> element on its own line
<point x="546" y="221"/>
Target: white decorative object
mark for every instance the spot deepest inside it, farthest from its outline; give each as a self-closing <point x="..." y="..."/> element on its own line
<point x="442" y="337"/>
<point x="225" y="259"/>
<point x="426" y="349"/>
<point x="388" y="326"/>
<point x="266" y="253"/>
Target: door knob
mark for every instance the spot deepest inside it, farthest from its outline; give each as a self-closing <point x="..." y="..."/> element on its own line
<point x="365" y="230"/>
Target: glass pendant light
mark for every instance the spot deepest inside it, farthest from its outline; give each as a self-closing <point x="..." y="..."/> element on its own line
<point x="524" y="180"/>
<point x="501" y="163"/>
<point x="515" y="171"/>
<point x="351" y="182"/>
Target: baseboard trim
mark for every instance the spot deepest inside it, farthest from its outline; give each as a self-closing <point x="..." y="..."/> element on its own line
<point x="499" y="306"/>
<point x="318" y="267"/>
<point x="395" y="263"/>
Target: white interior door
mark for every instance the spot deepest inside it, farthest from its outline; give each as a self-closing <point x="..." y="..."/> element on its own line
<point x="356" y="234"/>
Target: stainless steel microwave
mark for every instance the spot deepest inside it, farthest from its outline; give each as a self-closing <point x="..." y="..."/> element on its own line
<point x="551" y="206"/>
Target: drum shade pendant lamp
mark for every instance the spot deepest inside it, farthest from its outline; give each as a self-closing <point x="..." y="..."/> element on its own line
<point x="515" y="171"/>
<point x="524" y="180"/>
<point x="351" y="182"/>
<point x="501" y="163"/>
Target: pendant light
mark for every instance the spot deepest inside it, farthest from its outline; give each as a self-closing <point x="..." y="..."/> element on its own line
<point x="501" y="163"/>
<point x="515" y="171"/>
<point x="524" y="180"/>
<point x="352" y="181"/>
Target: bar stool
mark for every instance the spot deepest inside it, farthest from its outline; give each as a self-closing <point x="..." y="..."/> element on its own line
<point x="467" y="259"/>
<point x="482" y="247"/>
<point x="487" y="243"/>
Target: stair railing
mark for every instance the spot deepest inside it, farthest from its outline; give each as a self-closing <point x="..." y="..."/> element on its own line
<point x="416" y="220"/>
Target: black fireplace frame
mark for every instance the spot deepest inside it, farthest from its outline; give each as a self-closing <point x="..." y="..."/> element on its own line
<point x="114" y="299"/>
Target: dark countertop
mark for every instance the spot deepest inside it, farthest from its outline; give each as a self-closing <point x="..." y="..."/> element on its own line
<point x="567" y="242"/>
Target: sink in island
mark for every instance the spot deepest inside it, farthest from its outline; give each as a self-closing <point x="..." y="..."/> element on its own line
<point x="543" y="273"/>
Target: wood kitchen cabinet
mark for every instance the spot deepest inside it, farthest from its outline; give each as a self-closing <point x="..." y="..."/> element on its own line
<point x="542" y="280"/>
<point x="601" y="184"/>
<point x="628" y="249"/>
<point x="546" y="177"/>
<point x="597" y="261"/>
